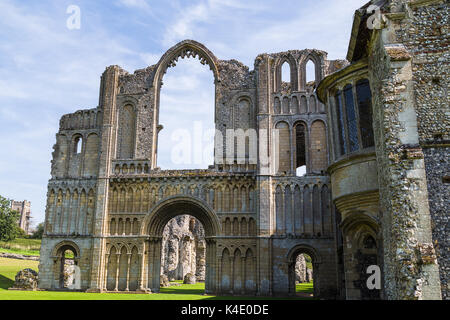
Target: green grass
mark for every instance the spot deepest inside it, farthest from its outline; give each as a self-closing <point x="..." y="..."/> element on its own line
<point x="29" y="247"/>
<point x="18" y="251"/>
<point x="10" y="267"/>
<point x="307" y="287"/>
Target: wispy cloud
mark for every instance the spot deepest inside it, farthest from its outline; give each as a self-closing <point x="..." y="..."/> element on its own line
<point x="140" y="4"/>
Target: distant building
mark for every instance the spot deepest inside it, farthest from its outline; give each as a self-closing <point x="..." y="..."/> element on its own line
<point x="24" y="208"/>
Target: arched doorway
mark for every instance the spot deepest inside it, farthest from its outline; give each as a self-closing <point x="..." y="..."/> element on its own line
<point x="183" y="249"/>
<point x="361" y="251"/>
<point x="304" y="281"/>
<point x="153" y="227"/>
<point x="66" y="256"/>
<point x="314" y="262"/>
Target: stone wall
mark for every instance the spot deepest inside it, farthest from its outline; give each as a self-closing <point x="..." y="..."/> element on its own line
<point x="410" y="272"/>
<point x="437" y="165"/>
<point x="425" y="34"/>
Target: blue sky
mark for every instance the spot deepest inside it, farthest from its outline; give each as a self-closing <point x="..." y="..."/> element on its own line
<point x="47" y="70"/>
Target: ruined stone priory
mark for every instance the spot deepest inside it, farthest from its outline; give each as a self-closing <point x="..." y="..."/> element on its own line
<point x="372" y="132"/>
<point x="24" y="210"/>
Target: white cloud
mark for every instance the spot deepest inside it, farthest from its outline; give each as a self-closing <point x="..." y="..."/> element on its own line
<point x="141" y="4"/>
<point x="190" y="21"/>
<point x="150" y="58"/>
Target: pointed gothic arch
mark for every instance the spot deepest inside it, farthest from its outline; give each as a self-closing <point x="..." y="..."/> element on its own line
<point x="186" y="48"/>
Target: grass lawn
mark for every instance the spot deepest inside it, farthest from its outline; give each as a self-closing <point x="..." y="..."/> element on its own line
<point x="10" y="267"/>
<point x="305" y="287"/>
<point x="29" y="247"/>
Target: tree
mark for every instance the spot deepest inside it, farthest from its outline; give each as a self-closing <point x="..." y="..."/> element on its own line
<point x="9" y="221"/>
<point x="37" y="234"/>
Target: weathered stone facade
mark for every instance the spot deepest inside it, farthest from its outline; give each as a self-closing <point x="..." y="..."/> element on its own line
<point x="374" y="155"/>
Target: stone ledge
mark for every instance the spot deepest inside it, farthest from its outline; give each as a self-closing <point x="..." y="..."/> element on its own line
<point x="18" y="256"/>
<point x="422" y="3"/>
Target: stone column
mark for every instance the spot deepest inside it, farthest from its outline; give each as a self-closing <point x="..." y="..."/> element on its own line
<point x="219" y="274"/>
<point x="154" y="263"/>
<point x="410" y="266"/>
<point x="243" y="274"/>
<point x="108" y="92"/>
<point x="105" y="275"/>
<point x="116" y="286"/>
<point x="231" y="258"/>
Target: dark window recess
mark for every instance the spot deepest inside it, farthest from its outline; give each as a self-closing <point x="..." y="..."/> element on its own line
<point x="369" y="243"/>
<point x="352" y="125"/>
<point x="340" y="124"/>
<point x="364" y="97"/>
<point x="446" y="179"/>
<point x="300" y="145"/>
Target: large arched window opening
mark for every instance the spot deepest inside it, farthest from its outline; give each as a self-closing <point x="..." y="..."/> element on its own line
<point x="342" y="141"/>
<point x="310" y="75"/>
<point x="77" y="144"/>
<point x="186" y="114"/>
<point x="352" y="125"/>
<point x="286" y="72"/>
<point x="352" y="112"/>
<point x="364" y="98"/>
<point x="300" y="149"/>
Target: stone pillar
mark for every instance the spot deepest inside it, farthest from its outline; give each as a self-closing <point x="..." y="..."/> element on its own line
<point x="232" y="273"/>
<point x="128" y="272"/>
<point x="211" y="267"/>
<point x="410" y="266"/>
<point x="154" y="263"/>
<point x="108" y="92"/>
<point x="219" y="274"/>
<point x="105" y="275"/>
<point x="116" y="286"/>
<point x="142" y="285"/>
<point x="243" y="274"/>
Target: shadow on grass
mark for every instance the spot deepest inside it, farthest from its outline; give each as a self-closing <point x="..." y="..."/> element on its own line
<point x="178" y="290"/>
<point x="5" y="282"/>
<point x="200" y="290"/>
